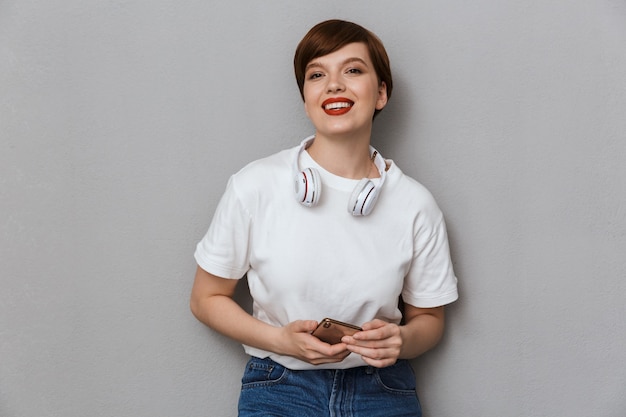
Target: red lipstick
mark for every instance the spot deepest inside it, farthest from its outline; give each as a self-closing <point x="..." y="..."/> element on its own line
<point x="336" y="106"/>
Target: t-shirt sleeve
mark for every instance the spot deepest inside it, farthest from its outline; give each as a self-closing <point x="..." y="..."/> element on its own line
<point x="223" y="251"/>
<point x="430" y="281"/>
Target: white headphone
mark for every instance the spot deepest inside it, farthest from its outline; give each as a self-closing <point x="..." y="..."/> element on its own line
<point x="308" y="184"/>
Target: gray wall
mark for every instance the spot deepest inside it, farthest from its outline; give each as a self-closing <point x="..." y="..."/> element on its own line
<point x="120" y="123"/>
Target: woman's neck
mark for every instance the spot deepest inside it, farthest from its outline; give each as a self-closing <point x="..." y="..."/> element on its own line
<point x="347" y="157"/>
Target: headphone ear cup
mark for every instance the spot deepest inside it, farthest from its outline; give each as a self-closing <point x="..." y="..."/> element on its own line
<point x="363" y="198"/>
<point x="308" y="187"/>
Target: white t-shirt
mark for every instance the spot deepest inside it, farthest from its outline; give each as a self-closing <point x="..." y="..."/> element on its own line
<point x="307" y="263"/>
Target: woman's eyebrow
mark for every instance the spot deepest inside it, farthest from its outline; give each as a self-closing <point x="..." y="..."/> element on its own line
<point x="317" y="64"/>
<point x="313" y="64"/>
<point x="355" y="59"/>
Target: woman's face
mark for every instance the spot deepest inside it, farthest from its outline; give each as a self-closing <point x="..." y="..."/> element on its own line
<point x="342" y="91"/>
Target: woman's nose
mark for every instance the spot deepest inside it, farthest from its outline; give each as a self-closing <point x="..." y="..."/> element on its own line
<point x="334" y="84"/>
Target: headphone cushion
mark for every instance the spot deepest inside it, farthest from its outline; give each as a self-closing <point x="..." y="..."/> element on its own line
<point x="308" y="187"/>
<point x="363" y="198"/>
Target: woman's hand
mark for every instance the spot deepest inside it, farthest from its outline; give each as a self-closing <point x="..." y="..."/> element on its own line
<point x="212" y="303"/>
<point x="379" y="344"/>
<point x="298" y="342"/>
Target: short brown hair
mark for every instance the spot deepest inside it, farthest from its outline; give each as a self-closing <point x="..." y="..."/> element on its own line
<point x="331" y="35"/>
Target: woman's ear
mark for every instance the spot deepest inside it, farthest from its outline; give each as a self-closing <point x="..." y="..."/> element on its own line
<point x="382" y="96"/>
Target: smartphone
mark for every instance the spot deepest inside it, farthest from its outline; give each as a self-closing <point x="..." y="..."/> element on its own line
<point x="331" y="331"/>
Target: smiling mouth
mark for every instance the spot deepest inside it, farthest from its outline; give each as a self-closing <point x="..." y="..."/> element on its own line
<point x="337" y="107"/>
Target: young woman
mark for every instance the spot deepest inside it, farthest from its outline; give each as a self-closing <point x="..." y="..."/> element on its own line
<point x="307" y="257"/>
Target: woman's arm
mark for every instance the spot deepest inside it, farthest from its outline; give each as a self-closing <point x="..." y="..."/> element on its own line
<point x="382" y="344"/>
<point x="212" y="304"/>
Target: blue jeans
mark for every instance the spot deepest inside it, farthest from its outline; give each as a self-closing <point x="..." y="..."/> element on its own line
<point x="270" y="389"/>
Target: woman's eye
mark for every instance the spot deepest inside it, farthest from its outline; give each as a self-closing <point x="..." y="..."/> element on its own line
<point x="354" y="71"/>
<point x="314" y="75"/>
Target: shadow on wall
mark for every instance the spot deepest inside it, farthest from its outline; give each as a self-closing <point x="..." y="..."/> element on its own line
<point x="242" y="295"/>
<point x="391" y="125"/>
